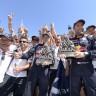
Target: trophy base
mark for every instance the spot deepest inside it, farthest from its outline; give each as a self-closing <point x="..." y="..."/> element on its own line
<point x="40" y="61"/>
<point x="68" y="54"/>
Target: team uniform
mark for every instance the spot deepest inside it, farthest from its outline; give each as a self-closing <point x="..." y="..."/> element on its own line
<point x="82" y="69"/>
<point x="38" y="75"/>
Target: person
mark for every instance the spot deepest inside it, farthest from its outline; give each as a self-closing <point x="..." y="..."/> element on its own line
<point x="71" y="32"/>
<point x="16" y="74"/>
<point x="81" y="69"/>
<point x="35" y="40"/>
<point x="38" y="74"/>
<point x="15" y="41"/>
<point x="90" y="30"/>
<point x="6" y="51"/>
<point x="53" y="69"/>
<point x="92" y="40"/>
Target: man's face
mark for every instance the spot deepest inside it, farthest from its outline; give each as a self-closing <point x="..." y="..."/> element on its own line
<point x="45" y="38"/>
<point x="23" y="43"/>
<point x="78" y="28"/>
<point x="35" y="40"/>
<point x="16" y="42"/>
<point x="4" y="42"/>
<point x="90" y="31"/>
<point x="58" y="40"/>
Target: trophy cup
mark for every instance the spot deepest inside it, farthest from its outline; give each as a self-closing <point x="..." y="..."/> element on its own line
<point x="46" y="55"/>
<point x="67" y="47"/>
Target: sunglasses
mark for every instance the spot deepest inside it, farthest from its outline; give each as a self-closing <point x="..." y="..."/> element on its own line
<point x="34" y="40"/>
<point x="22" y="41"/>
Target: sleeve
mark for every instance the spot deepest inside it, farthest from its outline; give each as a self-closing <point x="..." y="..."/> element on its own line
<point x="92" y="48"/>
<point x="29" y="54"/>
<point x="92" y="53"/>
<point x="53" y="54"/>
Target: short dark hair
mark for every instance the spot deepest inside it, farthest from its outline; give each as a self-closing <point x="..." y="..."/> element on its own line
<point x="91" y="26"/>
<point x="35" y="37"/>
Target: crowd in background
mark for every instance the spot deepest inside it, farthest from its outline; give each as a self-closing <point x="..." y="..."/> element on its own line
<point x="20" y="75"/>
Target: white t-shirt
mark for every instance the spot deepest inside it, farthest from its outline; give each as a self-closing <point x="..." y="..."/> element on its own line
<point x="5" y="63"/>
<point x="12" y="47"/>
<point x="17" y="62"/>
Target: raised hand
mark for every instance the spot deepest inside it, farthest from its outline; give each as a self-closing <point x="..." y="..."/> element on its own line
<point x="2" y="30"/>
<point x="25" y="30"/>
<point x="52" y="30"/>
<point x="10" y="16"/>
<point x="20" y="29"/>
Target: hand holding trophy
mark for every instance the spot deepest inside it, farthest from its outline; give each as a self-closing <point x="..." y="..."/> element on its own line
<point x="67" y="47"/>
<point x="46" y="57"/>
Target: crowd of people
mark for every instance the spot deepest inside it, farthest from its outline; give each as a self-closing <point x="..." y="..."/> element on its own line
<point x="26" y="71"/>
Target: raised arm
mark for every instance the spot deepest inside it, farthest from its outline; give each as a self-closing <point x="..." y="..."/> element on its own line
<point x="10" y="26"/>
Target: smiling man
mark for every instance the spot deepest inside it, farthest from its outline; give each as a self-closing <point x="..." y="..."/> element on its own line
<point x="82" y="69"/>
<point x="5" y="54"/>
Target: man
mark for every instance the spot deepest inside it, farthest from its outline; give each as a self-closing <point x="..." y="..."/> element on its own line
<point x="35" y="41"/>
<point x="92" y="41"/>
<point x="54" y="68"/>
<point x="5" y="53"/>
<point x="81" y="69"/>
<point x="39" y="72"/>
<point x="16" y="74"/>
<point x="90" y="30"/>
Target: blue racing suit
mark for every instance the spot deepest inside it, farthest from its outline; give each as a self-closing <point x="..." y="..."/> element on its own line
<point x="82" y="69"/>
<point x="38" y="75"/>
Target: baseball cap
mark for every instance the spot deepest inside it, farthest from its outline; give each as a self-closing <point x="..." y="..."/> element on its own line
<point x="81" y="20"/>
<point x="8" y="36"/>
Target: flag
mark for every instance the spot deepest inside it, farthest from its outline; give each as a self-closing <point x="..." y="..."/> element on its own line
<point x="60" y="86"/>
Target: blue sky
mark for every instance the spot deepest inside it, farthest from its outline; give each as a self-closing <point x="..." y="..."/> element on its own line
<point x="36" y="13"/>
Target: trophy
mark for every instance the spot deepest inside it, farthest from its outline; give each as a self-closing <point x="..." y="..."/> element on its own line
<point x="46" y="55"/>
<point x="67" y="47"/>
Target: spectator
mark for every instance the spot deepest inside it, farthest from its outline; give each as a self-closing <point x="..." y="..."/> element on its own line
<point x="5" y="54"/>
<point x="90" y="30"/>
<point x="16" y="75"/>
<point x="38" y="73"/>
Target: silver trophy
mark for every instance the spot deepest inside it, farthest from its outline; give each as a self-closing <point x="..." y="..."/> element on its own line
<point x="67" y="47"/>
<point x="46" y="55"/>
